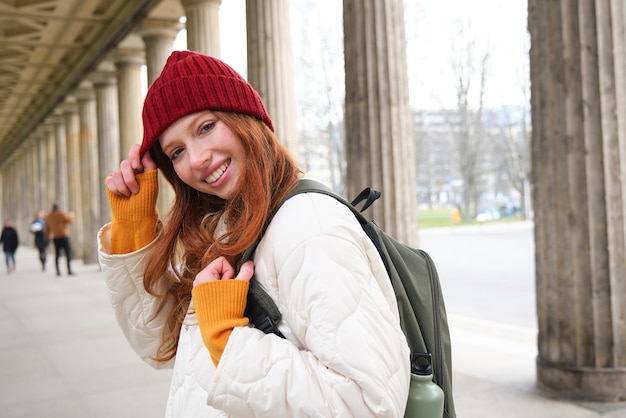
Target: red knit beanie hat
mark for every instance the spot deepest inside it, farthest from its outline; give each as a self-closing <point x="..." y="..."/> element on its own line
<point x="191" y="82"/>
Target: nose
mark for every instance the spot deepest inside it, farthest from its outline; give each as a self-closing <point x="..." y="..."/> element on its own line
<point x="197" y="155"/>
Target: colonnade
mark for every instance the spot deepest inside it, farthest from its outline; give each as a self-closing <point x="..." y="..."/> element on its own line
<point x="66" y="159"/>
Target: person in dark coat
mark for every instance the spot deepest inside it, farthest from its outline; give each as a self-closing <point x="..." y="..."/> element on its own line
<point x="10" y="241"/>
<point x="38" y="229"/>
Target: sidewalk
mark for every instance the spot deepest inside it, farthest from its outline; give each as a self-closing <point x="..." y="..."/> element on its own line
<point x="63" y="356"/>
<point x="61" y="352"/>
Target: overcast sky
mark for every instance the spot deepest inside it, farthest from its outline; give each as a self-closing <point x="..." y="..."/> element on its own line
<point x="496" y="26"/>
<point x="432" y="27"/>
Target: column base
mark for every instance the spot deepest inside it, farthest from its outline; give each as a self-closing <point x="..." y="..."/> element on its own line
<point x="582" y="383"/>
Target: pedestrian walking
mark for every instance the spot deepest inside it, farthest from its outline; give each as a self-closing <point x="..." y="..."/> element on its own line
<point x="178" y="285"/>
<point x="57" y="228"/>
<point x="38" y="229"/>
<point x="10" y="242"/>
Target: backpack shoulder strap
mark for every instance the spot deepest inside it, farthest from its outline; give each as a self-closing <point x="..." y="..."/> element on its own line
<point x="312" y="186"/>
<point x="260" y="308"/>
<point x="368" y="194"/>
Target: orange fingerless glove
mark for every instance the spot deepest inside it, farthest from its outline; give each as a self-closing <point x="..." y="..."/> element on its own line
<point x="219" y="308"/>
<point x="134" y="219"/>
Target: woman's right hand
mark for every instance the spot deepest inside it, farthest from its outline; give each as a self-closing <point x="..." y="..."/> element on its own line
<point x="220" y="269"/>
<point x="122" y="182"/>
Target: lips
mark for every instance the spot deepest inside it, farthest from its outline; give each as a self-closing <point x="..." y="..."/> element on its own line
<point x="214" y="176"/>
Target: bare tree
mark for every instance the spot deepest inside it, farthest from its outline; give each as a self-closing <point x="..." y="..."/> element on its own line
<point x="467" y="124"/>
<point x="512" y="141"/>
<point x="423" y="152"/>
<point x="320" y="90"/>
<point x="512" y="144"/>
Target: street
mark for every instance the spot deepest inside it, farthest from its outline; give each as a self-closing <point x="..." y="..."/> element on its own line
<point x="487" y="271"/>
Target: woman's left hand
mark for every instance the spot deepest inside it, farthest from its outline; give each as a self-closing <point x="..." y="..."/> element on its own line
<point x="220" y="269"/>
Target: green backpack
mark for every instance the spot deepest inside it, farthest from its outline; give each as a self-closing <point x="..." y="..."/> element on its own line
<point x="415" y="282"/>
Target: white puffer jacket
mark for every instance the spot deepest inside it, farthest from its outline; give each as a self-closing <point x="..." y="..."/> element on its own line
<point x="344" y="354"/>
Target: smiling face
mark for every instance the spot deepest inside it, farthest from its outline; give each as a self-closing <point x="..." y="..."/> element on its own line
<point x="205" y="153"/>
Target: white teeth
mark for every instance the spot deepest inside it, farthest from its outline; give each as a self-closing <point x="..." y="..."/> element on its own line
<point x="217" y="173"/>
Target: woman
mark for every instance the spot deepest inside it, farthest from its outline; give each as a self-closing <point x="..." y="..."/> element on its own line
<point x="10" y="241"/>
<point x="178" y="289"/>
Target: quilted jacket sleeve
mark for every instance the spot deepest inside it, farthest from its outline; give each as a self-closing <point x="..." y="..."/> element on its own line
<point x="350" y="357"/>
<point x="141" y="316"/>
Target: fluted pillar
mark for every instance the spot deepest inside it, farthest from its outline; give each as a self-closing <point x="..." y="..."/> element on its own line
<point x="20" y="214"/>
<point x="72" y="131"/>
<point x="42" y="151"/>
<point x="270" y="65"/>
<point x="35" y="175"/>
<point x="14" y="182"/>
<point x="61" y="160"/>
<point x="104" y="83"/>
<point x="159" y="39"/>
<point x="9" y="206"/>
<point x="29" y="202"/>
<point x="51" y="162"/>
<point x="379" y="137"/>
<point x="88" y="171"/>
<point x="128" y="62"/>
<point x="203" y="26"/>
<point x="3" y="174"/>
<point x="619" y="55"/>
<point x="3" y="179"/>
<point x="579" y="167"/>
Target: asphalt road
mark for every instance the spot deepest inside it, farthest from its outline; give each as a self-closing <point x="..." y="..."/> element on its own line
<point x="487" y="271"/>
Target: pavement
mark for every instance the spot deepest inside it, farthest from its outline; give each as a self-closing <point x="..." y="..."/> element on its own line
<point x="63" y="355"/>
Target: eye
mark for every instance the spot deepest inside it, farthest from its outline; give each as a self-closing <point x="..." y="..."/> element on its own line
<point x="207" y="127"/>
<point x="174" y="154"/>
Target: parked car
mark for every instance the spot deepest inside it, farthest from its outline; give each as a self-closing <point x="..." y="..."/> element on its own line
<point x="488" y="214"/>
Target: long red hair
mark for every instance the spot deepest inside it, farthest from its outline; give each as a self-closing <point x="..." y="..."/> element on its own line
<point x="189" y="236"/>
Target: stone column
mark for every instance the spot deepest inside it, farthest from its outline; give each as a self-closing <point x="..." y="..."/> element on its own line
<point x="35" y="174"/>
<point x="270" y="65"/>
<point x="29" y="196"/>
<point x="577" y="85"/>
<point x="159" y="39"/>
<point x="618" y="25"/>
<point x="33" y="179"/>
<point x="72" y="130"/>
<point x="88" y="171"/>
<point x="20" y="213"/>
<point x="12" y="182"/>
<point x="51" y="163"/>
<point x="61" y="160"/>
<point x="42" y="148"/>
<point x="36" y="179"/>
<point x="3" y="186"/>
<point x="379" y="138"/>
<point x="128" y="62"/>
<point x="203" y="26"/>
<point x="3" y="176"/>
<point x="3" y="180"/>
<point x="104" y="83"/>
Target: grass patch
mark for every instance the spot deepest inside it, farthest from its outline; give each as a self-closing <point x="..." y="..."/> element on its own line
<point x="441" y="217"/>
<point x="434" y="218"/>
